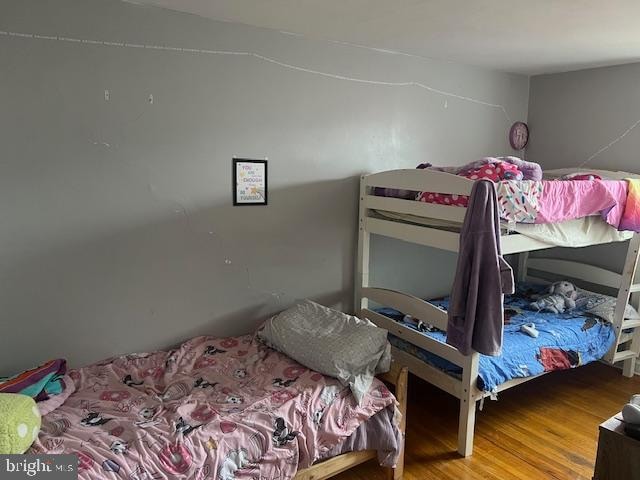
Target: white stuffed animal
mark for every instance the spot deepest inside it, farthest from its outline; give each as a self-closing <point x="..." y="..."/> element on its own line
<point x="560" y="297"/>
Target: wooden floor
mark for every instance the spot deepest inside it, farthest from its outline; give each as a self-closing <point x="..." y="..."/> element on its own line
<point x="543" y="429"/>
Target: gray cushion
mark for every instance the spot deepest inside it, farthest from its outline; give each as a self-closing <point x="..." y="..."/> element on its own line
<point x="602" y="306"/>
<point x="329" y="342"/>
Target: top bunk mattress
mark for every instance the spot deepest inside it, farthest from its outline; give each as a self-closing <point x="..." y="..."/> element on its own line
<point x="551" y="201"/>
<point x="525" y="197"/>
<point x="580" y="232"/>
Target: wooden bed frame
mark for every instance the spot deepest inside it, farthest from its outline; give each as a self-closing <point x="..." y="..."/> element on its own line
<point x="398" y="377"/>
<point x="626" y="347"/>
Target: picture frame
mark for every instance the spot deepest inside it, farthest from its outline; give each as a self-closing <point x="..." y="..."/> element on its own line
<point x="249" y="182"/>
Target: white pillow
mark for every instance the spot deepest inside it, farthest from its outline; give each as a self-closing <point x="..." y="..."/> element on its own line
<point x="329" y="342"/>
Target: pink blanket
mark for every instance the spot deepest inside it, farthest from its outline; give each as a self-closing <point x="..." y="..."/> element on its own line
<point x="552" y="201"/>
<point x="567" y="199"/>
<point x="224" y="409"/>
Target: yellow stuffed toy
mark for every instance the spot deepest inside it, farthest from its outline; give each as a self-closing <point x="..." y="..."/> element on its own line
<point x="19" y="423"/>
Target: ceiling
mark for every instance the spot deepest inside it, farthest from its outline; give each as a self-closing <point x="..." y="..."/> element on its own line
<point x="522" y="36"/>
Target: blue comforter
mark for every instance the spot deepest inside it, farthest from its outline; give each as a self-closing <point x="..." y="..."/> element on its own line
<point x="566" y="340"/>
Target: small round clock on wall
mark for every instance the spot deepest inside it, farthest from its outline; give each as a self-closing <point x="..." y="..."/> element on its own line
<point x="519" y="135"/>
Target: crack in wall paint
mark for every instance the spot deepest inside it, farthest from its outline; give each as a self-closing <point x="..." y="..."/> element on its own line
<point x="264" y="58"/>
<point x="611" y="143"/>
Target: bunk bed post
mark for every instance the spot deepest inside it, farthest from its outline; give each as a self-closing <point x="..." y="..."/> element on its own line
<point x="362" y="268"/>
<point x="523" y="257"/>
<point x="402" y="380"/>
<point x="630" y="369"/>
<point x="620" y="324"/>
<point x="467" y="418"/>
<point x="629" y="365"/>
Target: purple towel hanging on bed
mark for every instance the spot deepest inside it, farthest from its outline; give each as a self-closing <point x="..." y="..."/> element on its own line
<point x="482" y="278"/>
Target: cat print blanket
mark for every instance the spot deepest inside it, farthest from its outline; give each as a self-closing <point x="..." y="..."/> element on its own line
<point x="215" y="408"/>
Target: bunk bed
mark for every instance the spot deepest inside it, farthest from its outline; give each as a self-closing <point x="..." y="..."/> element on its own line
<point x="437" y="226"/>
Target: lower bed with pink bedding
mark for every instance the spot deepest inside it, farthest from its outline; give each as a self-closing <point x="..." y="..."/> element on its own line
<point x="214" y="408"/>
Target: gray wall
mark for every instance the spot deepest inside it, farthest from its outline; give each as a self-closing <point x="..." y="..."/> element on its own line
<point x="574" y="115"/>
<point x="117" y="231"/>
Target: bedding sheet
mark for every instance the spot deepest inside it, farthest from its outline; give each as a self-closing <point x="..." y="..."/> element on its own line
<point x="551" y="201"/>
<point x="580" y="232"/>
<point x="565" y="340"/>
<point x="380" y="433"/>
<point x="568" y="199"/>
<point x="214" y="408"/>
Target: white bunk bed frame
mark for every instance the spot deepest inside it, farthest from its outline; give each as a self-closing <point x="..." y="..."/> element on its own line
<point x="626" y="347"/>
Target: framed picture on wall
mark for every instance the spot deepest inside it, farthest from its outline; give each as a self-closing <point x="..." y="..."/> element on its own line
<point x="249" y="182"/>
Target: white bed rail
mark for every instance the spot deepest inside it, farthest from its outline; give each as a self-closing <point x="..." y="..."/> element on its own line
<point x="411" y="207"/>
<point x="415" y="338"/>
<point x="428" y="235"/>
<point x="418" y="309"/>
<point x="417" y="181"/>
<point x="420" y="181"/>
<point x="409" y="305"/>
<point x="575" y="270"/>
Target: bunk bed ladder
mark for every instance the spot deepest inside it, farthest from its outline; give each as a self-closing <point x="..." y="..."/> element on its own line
<point x="627" y="345"/>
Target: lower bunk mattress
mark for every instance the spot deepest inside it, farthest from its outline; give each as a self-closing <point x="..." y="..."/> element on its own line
<point x="565" y="340"/>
